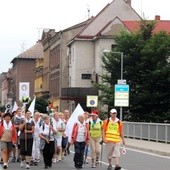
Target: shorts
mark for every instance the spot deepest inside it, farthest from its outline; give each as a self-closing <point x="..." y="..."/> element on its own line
<point x="6" y="145"/>
<point x="58" y="141"/>
<point x="112" y="150"/>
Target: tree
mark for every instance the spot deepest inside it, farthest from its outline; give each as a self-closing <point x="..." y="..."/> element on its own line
<point x="40" y="104"/>
<point x="146" y="69"/>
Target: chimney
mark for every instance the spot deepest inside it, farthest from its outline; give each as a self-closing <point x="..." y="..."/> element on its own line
<point x="128" y="2"/>
<point x="157" y="17"/>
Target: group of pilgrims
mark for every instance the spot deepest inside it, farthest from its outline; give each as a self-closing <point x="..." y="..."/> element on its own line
<point x="30" y="139"/>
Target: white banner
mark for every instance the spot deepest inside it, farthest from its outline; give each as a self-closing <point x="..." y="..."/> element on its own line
<point x="32" y="107"/>
<point x="24" y="90"/>
<point x="73" y="119"/>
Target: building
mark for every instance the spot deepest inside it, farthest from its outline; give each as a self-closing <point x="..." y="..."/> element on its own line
<point x="86" y="48"/>
<point x="23" y="72"/>
<point x="56" y="63"/>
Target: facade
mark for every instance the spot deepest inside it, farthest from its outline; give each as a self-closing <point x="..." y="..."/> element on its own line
<point x="56" y="63"/>
<point x="23" y="70"/>
<point x="86" y="49"/>
<point x="38" y="83"/>
<point x="1" y="81"/>
<point x="45" y="39"/>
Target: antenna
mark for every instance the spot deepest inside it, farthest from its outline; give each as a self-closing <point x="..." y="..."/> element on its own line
<point x="23" y="46"/>
<point x="141" y="10"/>
<point x="88" y="11"/>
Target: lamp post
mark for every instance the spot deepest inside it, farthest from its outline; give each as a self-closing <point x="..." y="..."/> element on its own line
<point x="121" y="72"/>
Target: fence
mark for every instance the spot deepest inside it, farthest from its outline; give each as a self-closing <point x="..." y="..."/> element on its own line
<point x="158" y="132"/>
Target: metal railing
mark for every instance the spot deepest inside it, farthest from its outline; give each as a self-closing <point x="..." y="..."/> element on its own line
<point x="158" y="132"/>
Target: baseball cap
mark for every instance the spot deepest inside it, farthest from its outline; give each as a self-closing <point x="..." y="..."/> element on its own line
<point x="113" y="111"/>
<point x="94" y="112"/>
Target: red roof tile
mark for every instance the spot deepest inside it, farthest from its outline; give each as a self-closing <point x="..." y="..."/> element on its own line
<point x="162" y="25"/>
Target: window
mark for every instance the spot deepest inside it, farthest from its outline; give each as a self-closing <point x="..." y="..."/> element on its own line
<point x="86" y="76"/>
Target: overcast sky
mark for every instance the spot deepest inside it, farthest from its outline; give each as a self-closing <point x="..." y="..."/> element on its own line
<point x="22" y="21"/>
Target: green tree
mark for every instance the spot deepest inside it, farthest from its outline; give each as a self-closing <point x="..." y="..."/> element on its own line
<point x="40" y="104"/>
<point x="146" y="70"/>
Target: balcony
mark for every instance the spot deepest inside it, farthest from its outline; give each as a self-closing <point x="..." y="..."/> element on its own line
<point x="73" y="93"/>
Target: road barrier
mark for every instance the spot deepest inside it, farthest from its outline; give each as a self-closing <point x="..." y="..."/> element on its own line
<point x="158" y="132"/>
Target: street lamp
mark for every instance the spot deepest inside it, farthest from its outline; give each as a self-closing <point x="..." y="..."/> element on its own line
<point x="121" y="71"/>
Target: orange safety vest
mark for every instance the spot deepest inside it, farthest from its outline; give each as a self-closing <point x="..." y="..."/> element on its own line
<point x="112" y="132"/>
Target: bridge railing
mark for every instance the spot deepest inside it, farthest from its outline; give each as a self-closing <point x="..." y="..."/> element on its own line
<point x="158" y="132"/>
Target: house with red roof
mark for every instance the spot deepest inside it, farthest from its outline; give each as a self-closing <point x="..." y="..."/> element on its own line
<point x="86" y="48"/>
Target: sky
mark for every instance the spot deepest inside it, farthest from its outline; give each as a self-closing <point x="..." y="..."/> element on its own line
<point x="22" y="21"/>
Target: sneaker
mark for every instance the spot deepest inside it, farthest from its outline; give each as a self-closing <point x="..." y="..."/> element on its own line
<point x="35" y="164"/>
<point x="18" y="159"/>
<point x="117" y="167"/>
<point x="5" y="166"/>
<point x="13" y="159"/>
<point x="27" y="166"/>
<point x="46" y="167"/>
<point x="22" y="164"/>
<point x="37" y="160"/>
<point x="54" y="160"/>
<point x="32" y="163"/>
<point x="109" y="167"/>
<point x="93" y="165"/>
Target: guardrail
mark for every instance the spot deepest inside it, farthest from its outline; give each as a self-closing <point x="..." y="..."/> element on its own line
<point x="158" y="132"/>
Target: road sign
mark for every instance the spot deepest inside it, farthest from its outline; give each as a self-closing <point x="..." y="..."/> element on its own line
<point x="120" y="81"/>
<point x="121" y="95"/>
<point x="92" y="101"/>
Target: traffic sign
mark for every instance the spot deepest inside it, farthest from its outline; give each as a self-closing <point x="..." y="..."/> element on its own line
<point x="121" y="95"/>
<point x="92" y="101"/>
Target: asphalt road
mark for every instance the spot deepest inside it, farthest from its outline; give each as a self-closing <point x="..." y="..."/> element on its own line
<point x="132" y="160"/>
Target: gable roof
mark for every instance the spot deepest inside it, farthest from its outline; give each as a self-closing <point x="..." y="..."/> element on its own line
<point x="36" y="51"/>
<point x="116" y="8"/>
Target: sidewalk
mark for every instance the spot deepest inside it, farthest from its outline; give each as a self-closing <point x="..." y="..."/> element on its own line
<point x="154" y="147"/>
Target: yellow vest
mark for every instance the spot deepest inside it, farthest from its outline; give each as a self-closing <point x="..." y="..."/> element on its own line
<point x="95" y="130"/>
<point x="113" y="132"/>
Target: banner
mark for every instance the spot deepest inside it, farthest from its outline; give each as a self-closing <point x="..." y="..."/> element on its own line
<point x="32" y="107"/>
<point x="24" y="90"/>
<point x="73" y="119"/>
<point x="15" y="107"/>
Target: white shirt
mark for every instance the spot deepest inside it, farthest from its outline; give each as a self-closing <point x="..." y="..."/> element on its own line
<point x="81" y="132"/>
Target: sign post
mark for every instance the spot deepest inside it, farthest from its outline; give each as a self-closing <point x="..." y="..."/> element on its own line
<point x="121" y="96"/>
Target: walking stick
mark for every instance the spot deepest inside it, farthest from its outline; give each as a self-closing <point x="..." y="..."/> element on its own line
<point x="85" y="153"/>
<point x="101" y="153"/>
<point x="25" y="137"/>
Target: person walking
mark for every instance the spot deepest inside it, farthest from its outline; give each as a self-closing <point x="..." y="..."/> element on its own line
<point x="80" y="138"/>
<point x="16" y="120"/>
<point x="46" y="134"/>
<point x="113" y="136"/>
<point x="36" y="140"/>
<point x="95" y="126"/>
<point x="8" y="137"/>
<point x="59" y="125"/>
<point x="27" y="128"/>
<point x="65" y="142"/>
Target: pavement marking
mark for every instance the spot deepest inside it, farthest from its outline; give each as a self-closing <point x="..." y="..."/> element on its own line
<point x="101" y="162"/>
<point x="148" y="153"/>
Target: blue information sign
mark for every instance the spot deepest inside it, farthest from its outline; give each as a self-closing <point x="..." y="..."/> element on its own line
<point x="121" y="88"/>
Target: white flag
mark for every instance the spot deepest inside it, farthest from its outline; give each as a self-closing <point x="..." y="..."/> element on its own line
<point x="15" y="107"/>
<point x="32" y="107"/>
<point x="73" y="119"/>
